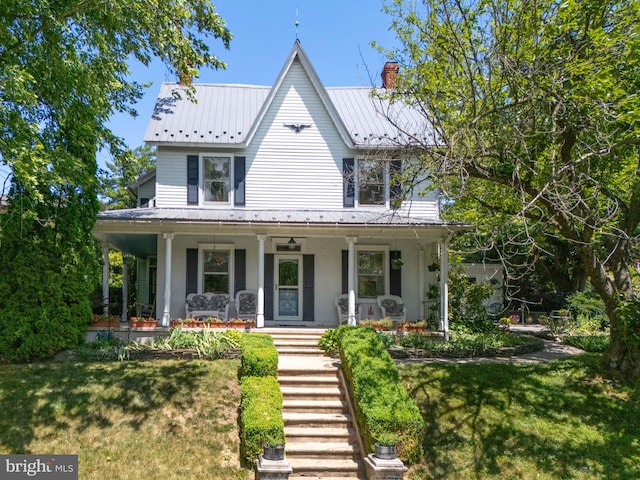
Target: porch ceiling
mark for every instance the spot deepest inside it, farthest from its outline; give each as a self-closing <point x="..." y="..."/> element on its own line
<point x="139" y="245"/>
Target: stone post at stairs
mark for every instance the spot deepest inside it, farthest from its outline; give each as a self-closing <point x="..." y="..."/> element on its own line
<point x="379" y="469"/>
<point x="272" y="469"/>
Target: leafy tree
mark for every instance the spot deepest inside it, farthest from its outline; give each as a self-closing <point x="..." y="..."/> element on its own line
<point x="122" y="171"/>
<point x="534" y="109"/>
<point x="63" y="72"/>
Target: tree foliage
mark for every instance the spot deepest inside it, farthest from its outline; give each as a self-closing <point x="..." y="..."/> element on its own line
<point x="534" y="112"/>
<point x="63" y="72"/>
<point x="124" y="170"/>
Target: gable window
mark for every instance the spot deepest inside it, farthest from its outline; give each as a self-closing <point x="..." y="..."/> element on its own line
<point x="215" y="270"/>
<point x="371" y="182"/>
<point x="216" y="181"/>
<point x="371" y="273"/>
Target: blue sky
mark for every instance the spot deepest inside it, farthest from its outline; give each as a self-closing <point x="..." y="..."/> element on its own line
<point x="336" y="35"/>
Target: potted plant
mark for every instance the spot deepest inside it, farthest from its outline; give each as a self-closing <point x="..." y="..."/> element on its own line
<point x="384" y="324"/>
<point x="385" y="446"/>
<point x="240" y="323"/>
<point x="215" y="322"/>
<point x="419" y="326"/>
<point x="108" y="321"/>
<point x="143" y="322"/>
<point x="273" y="448"/>
<point x="397" y="263"/>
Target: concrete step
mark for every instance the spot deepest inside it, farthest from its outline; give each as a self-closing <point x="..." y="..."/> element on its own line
<point x="312" y="392"/>
<point x="324" y="477"/>
<point x="315" y="419"/>
<point x="333" y="450"/>
<point x="315" y="406"/>
<point x="319" y="434"/>
<point x="315" y="379"/>
<point x="298" y="351"/>
<point x="324" y="468"/>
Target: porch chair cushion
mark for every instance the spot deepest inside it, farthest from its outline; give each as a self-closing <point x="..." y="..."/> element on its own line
<point x="392" y="306"/>
<point x="207" y="304"/>
<point x="246" y="303"/>
<point x="342" y="305"/>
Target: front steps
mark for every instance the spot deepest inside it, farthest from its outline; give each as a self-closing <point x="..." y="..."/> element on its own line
<point x="321" y="442"/>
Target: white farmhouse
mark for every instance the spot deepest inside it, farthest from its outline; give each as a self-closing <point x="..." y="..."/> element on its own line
<point x="287" y="191"/>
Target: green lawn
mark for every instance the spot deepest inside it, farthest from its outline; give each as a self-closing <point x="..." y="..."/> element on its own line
<point x="556" y="420"/>
<point x="151" y="420"/>
<point x="178" y="419"/>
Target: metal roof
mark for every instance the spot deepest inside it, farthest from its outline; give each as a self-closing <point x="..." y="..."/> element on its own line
<point x="273" y="217"/>
<point x="227" y="115"/>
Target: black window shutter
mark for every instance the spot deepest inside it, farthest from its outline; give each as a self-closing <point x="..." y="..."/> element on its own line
<point x="395" y="187"/>
<point x="308" y="293"/>
<point x="345" y="271"/>
<point x="192" y="271"/>
<point x="192" y="179"/>
<point x="268" y="286"/>
<point x="240" y="270"/>
<point x="239" y="171"/>
<point x="349" y="182"/>
<point x="395" y="274"/>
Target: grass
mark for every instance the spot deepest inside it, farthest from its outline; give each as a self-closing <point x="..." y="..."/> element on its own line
<point x="131" y="420"/>
<point x="556" y="420"/>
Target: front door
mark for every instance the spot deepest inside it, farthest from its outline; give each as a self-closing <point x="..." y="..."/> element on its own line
<point x="288" y="287"/>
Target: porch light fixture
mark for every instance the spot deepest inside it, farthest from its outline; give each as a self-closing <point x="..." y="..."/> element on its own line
<point x="292" y="244"/>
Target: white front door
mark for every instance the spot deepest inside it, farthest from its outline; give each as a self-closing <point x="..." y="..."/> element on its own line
<point x="288" y="287"/>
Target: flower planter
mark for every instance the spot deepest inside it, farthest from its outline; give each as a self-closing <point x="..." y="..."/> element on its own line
<point x="242" y="325"/>
<point x="273" y="453"/>
<point x="144" y="324"/>
<point x="385" y="452"/>
<point x="413" y="329"/>
<point x="105" y="324"/>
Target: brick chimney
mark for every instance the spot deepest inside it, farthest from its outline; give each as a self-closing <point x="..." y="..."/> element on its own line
<point x="184" y="79"/>
<point x="390" y="74"/>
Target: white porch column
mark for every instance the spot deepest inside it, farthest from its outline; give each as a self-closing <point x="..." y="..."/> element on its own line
<point x="260" y="306"/>
<point x="125" y="290"/>
<point x="166" y="311"/>
<point x="105" y="279"/>
<point x="351" y="280"/>
<point x="421" y="283"/>
<point x="444" y="286"/>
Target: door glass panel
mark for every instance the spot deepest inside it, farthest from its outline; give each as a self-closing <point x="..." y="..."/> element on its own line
<point x="288" y="289"/>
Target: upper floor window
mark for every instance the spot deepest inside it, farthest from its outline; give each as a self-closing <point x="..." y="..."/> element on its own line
<point x="216" y="179"/>
<point x="371" y="182"/>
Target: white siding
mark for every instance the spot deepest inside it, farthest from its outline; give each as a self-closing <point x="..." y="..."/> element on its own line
<point x="295" y="170"/>
<point x="171" y="178"/>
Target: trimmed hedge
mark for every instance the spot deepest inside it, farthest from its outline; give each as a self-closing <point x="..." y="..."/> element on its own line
<point x="261" y="400"/>
<point x="259" y="356"/>
<point x="260" y="416"/>
<point x="382" y="404"/>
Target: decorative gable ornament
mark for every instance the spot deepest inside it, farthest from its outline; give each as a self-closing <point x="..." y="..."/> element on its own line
<point x="296" y="127"/>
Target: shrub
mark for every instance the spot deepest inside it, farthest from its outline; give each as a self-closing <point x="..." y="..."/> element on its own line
<point x="259" y="356"/>
<point x="589" y="343"/>
<point x="382" y="405"/>
<point x="208" y="343"/>
<point x="260" y="416"/>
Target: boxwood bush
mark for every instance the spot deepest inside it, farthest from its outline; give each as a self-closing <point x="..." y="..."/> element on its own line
<point x="259" y="356"/>
<point x="383" y="407"/>
<point x="260" y="416"/>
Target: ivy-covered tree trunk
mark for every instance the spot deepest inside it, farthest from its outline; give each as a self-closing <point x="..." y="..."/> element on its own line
<point x="49" y="264"/>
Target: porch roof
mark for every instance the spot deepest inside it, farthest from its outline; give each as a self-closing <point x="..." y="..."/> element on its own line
<point x="232" y="216"/>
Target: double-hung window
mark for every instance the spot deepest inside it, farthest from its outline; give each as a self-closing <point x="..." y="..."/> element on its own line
<point x="372" y="175"/>
<point x="216" y="180"/>
<point x="215" y="270"/>
<point x="372" y="274"/>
